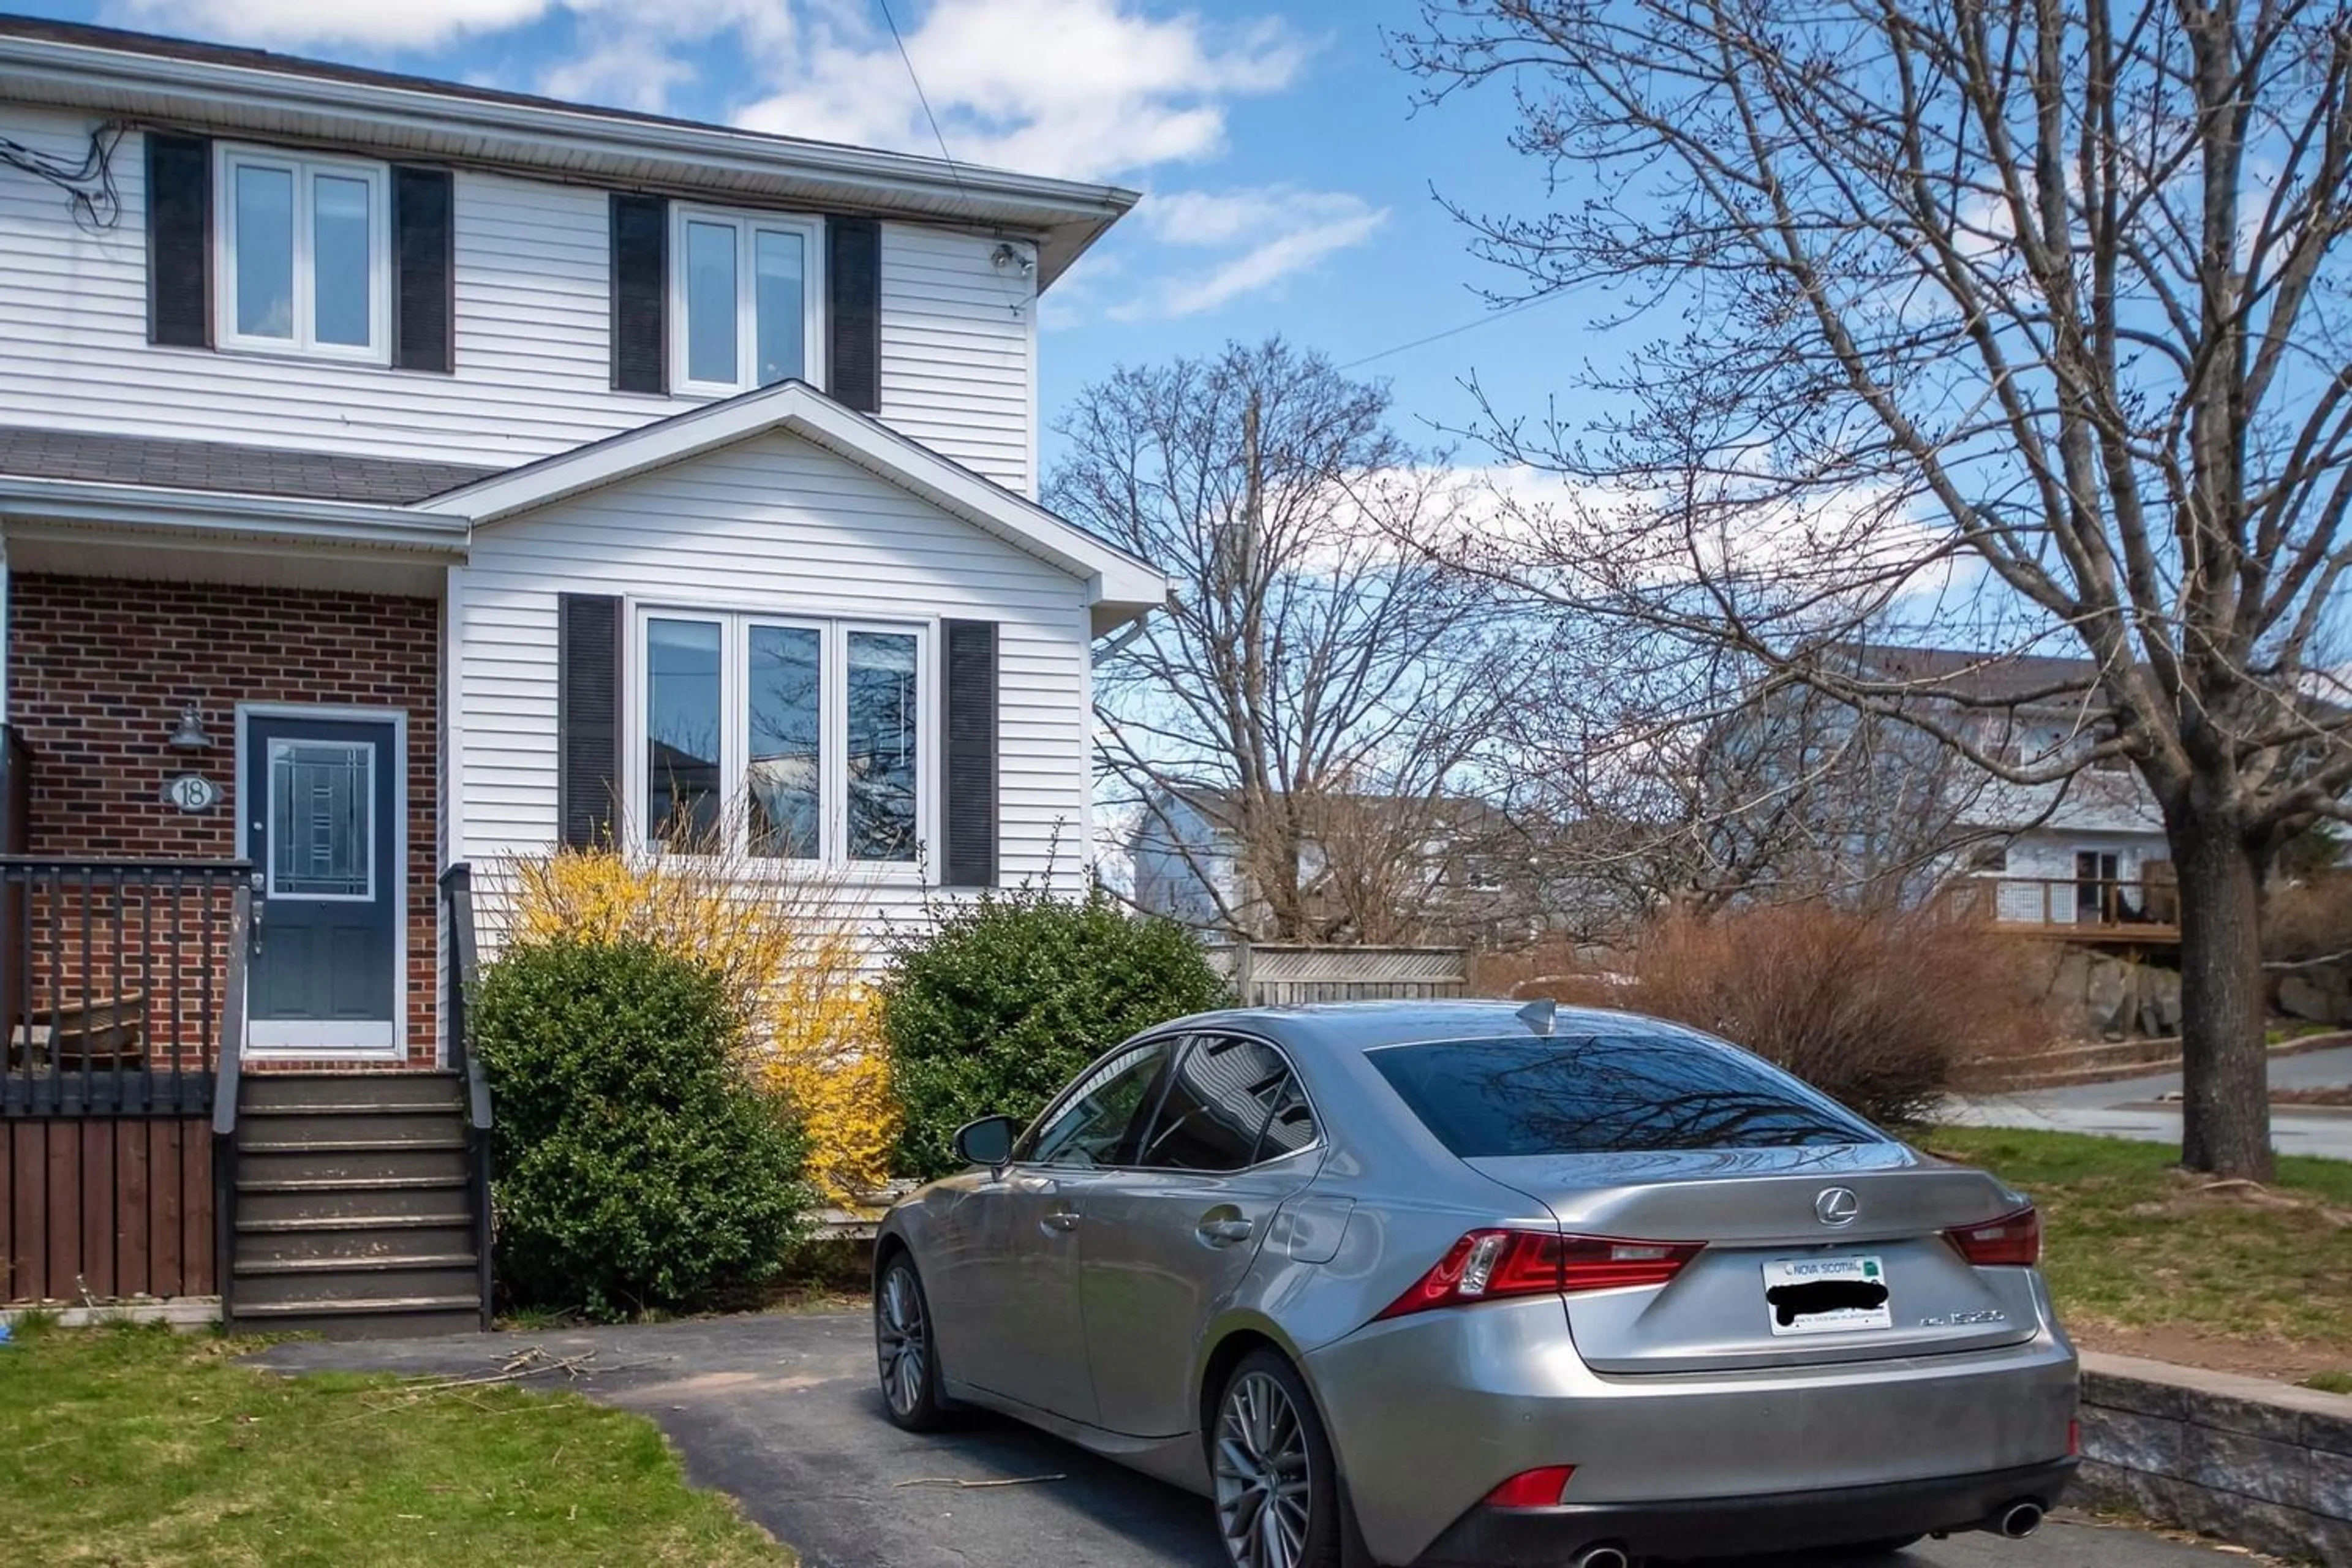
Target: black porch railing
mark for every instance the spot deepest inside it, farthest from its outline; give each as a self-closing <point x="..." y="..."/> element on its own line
<point x="120" y="983"/>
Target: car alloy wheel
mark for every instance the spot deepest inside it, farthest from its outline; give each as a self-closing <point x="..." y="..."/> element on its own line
<point x="1265" y="1481"/>
<point x="902" y="1343"/>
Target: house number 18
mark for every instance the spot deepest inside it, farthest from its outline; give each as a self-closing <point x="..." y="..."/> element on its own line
<point x="192" y="792"/>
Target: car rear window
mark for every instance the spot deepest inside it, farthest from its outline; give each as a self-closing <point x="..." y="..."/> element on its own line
<point x="1604" y="1094"/>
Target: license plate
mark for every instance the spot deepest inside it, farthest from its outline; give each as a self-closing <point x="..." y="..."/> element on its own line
<point x="1826" y="1295"/>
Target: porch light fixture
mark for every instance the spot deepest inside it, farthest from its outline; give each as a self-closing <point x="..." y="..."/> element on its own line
<point x="1009" y="255"/>
<point x="190" y="736"/>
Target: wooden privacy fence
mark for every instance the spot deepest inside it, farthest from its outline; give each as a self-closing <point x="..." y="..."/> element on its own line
<point x="105" y="1207"/>
<point x="1271" y="975"/>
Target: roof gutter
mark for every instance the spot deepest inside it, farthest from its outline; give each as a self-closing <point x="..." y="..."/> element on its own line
<point x="199" y="514"/>
<point x="987" y="196"/>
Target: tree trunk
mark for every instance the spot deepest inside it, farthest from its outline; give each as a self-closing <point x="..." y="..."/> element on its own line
<point x="2226" y="1118"/>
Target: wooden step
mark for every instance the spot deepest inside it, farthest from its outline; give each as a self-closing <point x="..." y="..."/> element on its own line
<point x="328" y="1284"/>
<point x="368" y="1162"/>
<point x="395" y="1317"/>
<point x="304" y="1124"/>
<point x="436" y="1137"/>
<point x="266" y="1091"/>
<point x="331" y="1238"/>
<point x="256" y="1267"/>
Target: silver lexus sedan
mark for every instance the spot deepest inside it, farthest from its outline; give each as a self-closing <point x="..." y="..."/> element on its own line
<point x="1440" y="1283"/>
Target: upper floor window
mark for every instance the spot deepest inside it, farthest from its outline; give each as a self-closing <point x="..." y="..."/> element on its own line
<point x="748" y="300"/>
<point x="815" y="728"/>
<point x="305" y="255"/>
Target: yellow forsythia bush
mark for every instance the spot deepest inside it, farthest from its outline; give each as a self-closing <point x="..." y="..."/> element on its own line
<point x="796" y="968"/>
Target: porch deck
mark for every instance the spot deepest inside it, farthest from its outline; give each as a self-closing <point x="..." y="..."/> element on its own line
<point x="2100" y="911"/>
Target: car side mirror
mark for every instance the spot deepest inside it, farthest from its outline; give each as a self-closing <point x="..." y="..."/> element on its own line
<point x="987" y="1142"/>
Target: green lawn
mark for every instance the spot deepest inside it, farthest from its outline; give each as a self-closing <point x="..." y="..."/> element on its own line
<point x="136" y="1446"/>
<point x="2132" y="1242"/>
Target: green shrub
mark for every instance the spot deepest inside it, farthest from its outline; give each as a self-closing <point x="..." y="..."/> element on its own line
<point x="1007" y="997"/>
<point x="637" y="1167"/>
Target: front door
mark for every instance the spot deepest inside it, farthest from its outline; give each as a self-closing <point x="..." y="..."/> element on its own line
<point x="322" y="828"/>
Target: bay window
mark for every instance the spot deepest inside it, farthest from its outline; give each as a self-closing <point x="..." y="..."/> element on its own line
<point x="305" y="255"/>
<point x="747" y="299"/>
<point x="788" y="739"/>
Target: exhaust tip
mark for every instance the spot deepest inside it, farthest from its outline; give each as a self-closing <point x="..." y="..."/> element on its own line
<point x="2019" y="1519"/>
<point x="1602" y="1557"/>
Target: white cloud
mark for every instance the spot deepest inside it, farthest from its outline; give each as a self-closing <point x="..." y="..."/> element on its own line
<point x="1266" y="233"/>
<point x="385" y="23"/>
<point x="1082" y="88"/>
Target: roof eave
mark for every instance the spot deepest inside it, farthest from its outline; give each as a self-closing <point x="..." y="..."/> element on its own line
<point x="225" y="512"/>
<point x="1067" y="216"/>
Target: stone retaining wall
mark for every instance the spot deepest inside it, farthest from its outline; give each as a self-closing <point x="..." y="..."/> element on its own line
<point x="2258" y="1464"/>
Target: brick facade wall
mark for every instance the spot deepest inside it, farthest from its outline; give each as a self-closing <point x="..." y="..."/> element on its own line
<point x="99" y="668"/>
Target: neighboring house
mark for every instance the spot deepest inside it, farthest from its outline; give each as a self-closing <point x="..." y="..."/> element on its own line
<point x="397" y="476"/>
<point x="1371" y="868"/>
<point x="2088" y="852"/>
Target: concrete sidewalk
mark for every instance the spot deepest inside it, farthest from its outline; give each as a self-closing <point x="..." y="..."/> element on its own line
<point x="2132" y="1108"/>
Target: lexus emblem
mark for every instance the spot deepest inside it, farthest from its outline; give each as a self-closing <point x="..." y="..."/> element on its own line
<point x="1836" y="1206"/>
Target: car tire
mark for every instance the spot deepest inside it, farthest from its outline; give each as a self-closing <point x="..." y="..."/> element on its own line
<point x="906" y="1348"/>
<point x="1274" y="1480"/>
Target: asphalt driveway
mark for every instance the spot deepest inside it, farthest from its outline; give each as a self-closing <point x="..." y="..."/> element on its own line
<point x="782" y="1411"/>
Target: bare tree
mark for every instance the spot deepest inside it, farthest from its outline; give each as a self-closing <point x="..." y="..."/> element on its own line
<point x="2031" y="312"/>
<point x="1308" y="665"/>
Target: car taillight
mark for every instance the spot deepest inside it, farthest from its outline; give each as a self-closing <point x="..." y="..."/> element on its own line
<point x="1492" y="1264"/>
<point x="2012" y="1241"/>
<point x="1545" y="1487"/>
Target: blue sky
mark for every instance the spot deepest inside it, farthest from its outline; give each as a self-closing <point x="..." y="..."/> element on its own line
<point x="1288" y="179"/>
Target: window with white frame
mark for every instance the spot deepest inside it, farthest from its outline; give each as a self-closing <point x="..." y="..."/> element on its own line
<point x="815" y="729"/>
<point x="747" y="299"/>
<point x="305" y="255"/>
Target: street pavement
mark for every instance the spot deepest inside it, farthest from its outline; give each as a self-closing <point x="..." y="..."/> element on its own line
<point x="2134" y="1109"/>
<point x="782" y="1411"/>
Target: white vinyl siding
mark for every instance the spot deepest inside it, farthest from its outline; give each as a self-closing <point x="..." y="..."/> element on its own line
<point x="959" y="350"/>
<point x="771" y="528"/>
<point x="533" y="374"/>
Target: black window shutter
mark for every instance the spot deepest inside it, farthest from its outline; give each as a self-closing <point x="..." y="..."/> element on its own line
<point x="424" y="267"/>
<point x="852" y="286"/>
<point x="587" y="718"/>
<point x="179" y="240"/>
<point x="969" y="680"/>
<point x="640" y="293"/>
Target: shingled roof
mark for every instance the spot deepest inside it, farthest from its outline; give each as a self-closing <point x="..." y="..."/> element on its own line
<point x="164" y="463"/>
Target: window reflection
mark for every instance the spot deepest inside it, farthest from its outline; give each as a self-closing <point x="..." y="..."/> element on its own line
<point x="882" y="748"/>
<point x="710" y="302"/>
<point x="339" y="261"/>
<point x="682" y="710"/>
<point x="265" y="252"/>
<point x="780" y="277"/>
<point x="1608" y="1094"/>
<point x="787" y="771"/>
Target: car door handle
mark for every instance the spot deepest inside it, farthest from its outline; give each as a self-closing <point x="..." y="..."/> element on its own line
<point x="1224" y="1232"/>
<point x="1062" y="1219"/>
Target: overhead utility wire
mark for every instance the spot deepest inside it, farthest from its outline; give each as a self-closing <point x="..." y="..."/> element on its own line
<point x="1456" y="331"/>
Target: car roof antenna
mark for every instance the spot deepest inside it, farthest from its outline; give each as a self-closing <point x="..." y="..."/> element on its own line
<point x="1538" y="1014"/>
